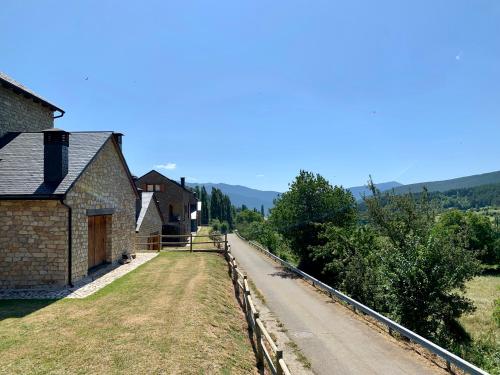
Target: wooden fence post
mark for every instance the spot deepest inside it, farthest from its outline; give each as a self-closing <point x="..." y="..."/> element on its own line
<point x="191" y="242"/>
<point x="279" y="355"/>
<point x="159" y="242"/>
<point x="258" y="339"/>
<point x="225" y="241"/>
<point x="245" y="295"/>
<point x="235" y="280"/>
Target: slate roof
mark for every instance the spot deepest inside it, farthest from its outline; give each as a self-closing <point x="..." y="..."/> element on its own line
<point x="186" y="188"/>
<point x="21" y="162"/>
<point x="6" y="81"/>
<point x="146" y="198"/>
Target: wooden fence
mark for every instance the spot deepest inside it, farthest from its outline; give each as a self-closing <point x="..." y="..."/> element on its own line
<point x="181" y="242"/>
<point x="268" y="352"/>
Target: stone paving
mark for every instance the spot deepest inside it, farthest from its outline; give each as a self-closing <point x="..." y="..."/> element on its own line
<point x="89" y="285"/>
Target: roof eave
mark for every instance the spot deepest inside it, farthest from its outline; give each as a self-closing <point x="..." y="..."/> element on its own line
<point x="30" y="95"/>
<point x="12" y="197"/>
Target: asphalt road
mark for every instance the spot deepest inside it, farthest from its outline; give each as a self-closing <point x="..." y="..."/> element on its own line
<point x="330" y="336"/>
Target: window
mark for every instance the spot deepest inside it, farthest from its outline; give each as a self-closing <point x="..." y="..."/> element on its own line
<point x="151" y="187"/>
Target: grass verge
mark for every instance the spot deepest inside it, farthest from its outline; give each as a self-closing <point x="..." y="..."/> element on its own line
<point x="176" y="314"/>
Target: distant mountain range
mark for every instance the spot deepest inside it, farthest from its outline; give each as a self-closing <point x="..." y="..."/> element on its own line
<point x="360" y="191"/>
<point x="254" y="198"/>
<point x="454" y="183"/>
<point x="240" y="195"/>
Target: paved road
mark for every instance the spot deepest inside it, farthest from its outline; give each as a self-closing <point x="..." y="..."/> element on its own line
<point x="333" y="339"/>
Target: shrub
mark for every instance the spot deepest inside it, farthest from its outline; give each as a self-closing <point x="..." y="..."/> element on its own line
<point x="224" y="227"/>
<point x="215" y="224"/>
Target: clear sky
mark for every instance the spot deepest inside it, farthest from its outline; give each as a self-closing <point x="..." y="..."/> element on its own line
<point x="249" y="92"/>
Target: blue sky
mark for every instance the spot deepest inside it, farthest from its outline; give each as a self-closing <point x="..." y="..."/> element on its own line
<point x="249" y="92"/>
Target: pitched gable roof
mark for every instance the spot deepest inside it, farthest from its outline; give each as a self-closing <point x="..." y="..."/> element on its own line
<point x="146" y="199"/>
<point x="6" y="81"/>
<point x="153" y="171"/>
<point x="21" y="163"/>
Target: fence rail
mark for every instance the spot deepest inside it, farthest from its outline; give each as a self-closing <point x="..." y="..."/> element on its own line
<point x="450" y="358"/>
<point x="185" y="242"/>
<point x="268" y="352"/>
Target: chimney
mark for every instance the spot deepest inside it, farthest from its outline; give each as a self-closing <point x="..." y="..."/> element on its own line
<point x="183" y="181"/>
<point x="55" y="155"/>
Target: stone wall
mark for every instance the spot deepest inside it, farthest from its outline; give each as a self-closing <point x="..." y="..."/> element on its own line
<point x="151" y="224"/>
<point x="33" y="243"/>
<point x="20" y="114"/>
<point x="103" y="185"/>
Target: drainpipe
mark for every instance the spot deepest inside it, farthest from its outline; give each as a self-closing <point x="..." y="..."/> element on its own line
<point x="70" y="242"/>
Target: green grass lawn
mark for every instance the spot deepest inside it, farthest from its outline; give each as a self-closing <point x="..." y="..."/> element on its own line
<point x="174" y="315"/>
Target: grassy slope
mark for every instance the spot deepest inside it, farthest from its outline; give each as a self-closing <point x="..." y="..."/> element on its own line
<point x="484" y="350"/>
<point x="175" y="314"/>
<point x="483" y="290"/>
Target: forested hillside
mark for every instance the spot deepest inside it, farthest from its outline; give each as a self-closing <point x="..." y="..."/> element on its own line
<point x="242" y="195"/>
<point x="455" y="183"/>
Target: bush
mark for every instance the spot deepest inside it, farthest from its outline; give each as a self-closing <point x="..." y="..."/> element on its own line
<point x="224" y="227"/>
<point x="215" y="224"/>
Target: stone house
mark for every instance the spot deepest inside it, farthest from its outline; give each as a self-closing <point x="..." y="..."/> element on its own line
<point x="22" y="110"/>
<point x="149" y="223"/>
<point x="178" y="204"/>
<point x="67" y="200"/>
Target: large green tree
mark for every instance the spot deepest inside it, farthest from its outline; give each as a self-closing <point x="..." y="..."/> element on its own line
<point x="220" y="207"/>
<point x="425" y="269"/>
<point x="299" y="213"/>
<point x="205" y="216"/>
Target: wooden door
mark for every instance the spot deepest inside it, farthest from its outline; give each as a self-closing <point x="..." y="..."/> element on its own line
<point x="97" y="240"/>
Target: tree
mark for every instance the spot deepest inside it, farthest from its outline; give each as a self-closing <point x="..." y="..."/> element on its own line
<point x="425" y="269"/>
<point x="244" y="207"/>
<point x="247" y="217"/>
<point x="205" y="219"/>
<point x="310" y="202"/>
<point x="262" y="210"/>
<point x="351" y="261"/>
<point x="216" y="204"/>
<point x="220" y="207"/>
<point x="476" y="230"/>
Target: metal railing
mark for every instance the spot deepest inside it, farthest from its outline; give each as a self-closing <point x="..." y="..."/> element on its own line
<point x="267" y="351"/>
<point x="450" y="358"/>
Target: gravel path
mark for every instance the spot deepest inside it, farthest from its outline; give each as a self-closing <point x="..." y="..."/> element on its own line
<point x="85" y="287"/>
<point x="333" y="338"/>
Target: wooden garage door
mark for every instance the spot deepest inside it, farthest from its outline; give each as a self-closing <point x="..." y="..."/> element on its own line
<point x="97" y="240"/>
